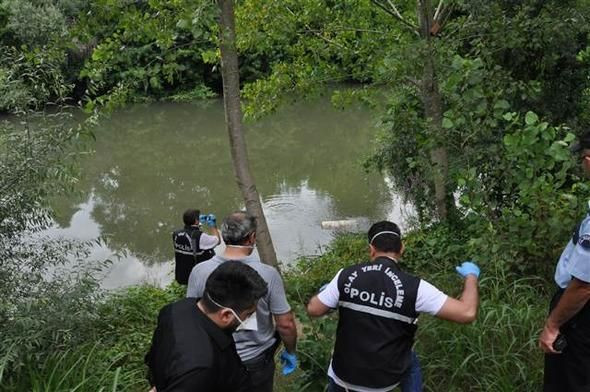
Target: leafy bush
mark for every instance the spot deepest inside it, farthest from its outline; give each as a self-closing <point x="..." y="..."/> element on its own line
<point x="524" y="219"/>
<point x="31" y="78"/>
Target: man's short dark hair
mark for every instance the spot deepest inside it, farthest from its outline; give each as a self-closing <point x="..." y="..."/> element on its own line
<point x="234" y="285"/>
<point x="381" y="236"/>
<point x="190" y="216"/>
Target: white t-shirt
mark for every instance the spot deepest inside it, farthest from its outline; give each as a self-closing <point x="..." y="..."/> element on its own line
<point x="429" y="300"/>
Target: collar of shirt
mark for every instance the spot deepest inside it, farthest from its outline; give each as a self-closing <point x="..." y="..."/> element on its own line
<point x="248" y="259"/>
<point x="391" y="260"/>
<point x="222" y="338"/>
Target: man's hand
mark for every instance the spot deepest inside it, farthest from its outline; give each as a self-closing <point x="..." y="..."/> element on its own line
<point x="289" y="362"/>
<point x="211" y="220"/>
<point x="468" y="268"/>
<point x="547" y="338"/>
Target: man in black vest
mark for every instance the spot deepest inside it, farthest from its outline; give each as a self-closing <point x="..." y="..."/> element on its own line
<point x="565" y="338"/>
<point x="378" y="307"/>
<point x="191" y="245"/>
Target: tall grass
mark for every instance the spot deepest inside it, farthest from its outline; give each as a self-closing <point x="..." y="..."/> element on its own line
<point x="83" y="369"/>
<point x="498" y="352"/>
<point x="112" y="360"/>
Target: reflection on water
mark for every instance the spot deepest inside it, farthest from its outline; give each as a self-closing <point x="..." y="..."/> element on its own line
<point x="151" y="162"/>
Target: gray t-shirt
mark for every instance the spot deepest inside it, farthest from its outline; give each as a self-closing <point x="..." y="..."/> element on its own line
<point x="249" y="344"/>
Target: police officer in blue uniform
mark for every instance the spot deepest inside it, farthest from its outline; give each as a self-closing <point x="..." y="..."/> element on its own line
<point x="565" y="338"/>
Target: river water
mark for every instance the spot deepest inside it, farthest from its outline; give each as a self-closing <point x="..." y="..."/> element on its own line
<point x="151" y="162"/>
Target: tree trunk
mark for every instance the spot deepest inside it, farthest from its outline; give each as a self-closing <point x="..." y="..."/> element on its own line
<point x="433" y="111"/>
<point x="233" y="117"/>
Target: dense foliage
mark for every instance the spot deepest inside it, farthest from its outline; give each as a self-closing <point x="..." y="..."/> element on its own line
<point x="514" y="81"/>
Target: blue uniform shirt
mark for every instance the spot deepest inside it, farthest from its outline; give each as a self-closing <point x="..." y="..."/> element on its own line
<point x="575" y="258"/>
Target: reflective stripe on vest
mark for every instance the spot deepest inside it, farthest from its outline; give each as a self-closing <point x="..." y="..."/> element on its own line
<point x="378" y="312"/>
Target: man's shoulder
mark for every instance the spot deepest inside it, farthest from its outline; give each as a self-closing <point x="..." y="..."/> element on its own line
<point x="209" y="264"/>
<point x="356" y="266"/>
<point x="262" y="268"/>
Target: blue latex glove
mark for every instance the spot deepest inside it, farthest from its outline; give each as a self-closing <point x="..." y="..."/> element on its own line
<point x="211" y="220"/>
<point x="467" y="268"/>
<point x="289" y="362"/>
<point x="202" y="219"/>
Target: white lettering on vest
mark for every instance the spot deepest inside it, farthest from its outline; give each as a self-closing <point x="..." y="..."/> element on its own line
<point x="351" y="279"/>
<point x="375" y="267"/>
<point x="400" y="292"/>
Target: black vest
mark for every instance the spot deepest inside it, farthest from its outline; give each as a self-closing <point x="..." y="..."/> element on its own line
<point x="376" y="325"/>
<point x="187" y="252"/>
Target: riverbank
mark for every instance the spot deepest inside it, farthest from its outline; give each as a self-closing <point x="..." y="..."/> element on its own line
<point x="498" y="352"/>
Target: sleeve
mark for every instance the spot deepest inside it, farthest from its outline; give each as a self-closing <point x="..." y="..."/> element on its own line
<point x="331" y="295"/>
<point x="196" y="285"/>
<point x="278" y="299"/>
<point x="579" y="262"/>
<point x="207" y="241"/>
<point x="429" y="299"/>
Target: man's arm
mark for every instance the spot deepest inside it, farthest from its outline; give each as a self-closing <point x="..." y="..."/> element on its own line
<point x="215" y="232"/>
<point x="287" y="330"/>
<point x="464" y="309"/>
<point x="316" y="308"/>
<point x="209" y="241"/>
<point x="326" y="300"/>
<point x="574" y="298"/>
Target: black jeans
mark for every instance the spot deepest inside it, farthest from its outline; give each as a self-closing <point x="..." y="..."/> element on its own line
<point x="570" y="370"/>
<point x="262" y="371"/>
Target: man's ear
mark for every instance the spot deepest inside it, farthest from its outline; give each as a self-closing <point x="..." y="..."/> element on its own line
<point x="402" y="250"/>
<point x="226" y="316"/>
<point x="372" y="251"/>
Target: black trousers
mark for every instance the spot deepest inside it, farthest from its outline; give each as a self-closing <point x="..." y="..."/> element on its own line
<point x="570" y="370"/>
<point x="262" y="370"/>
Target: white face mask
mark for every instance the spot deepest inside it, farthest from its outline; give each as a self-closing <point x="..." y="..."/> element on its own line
<point x="249" y="324"/>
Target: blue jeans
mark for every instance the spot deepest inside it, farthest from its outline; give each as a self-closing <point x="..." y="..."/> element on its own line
<point x="411" y="380"/>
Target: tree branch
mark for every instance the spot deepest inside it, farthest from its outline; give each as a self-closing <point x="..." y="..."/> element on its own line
<point x="396" y="14"/>
<point x="438" y="10"/>
<point x="318" y="34"/>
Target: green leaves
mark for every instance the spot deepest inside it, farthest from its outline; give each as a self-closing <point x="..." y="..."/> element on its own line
<point x="531" y="118"/>
<point x="447" y="123"/>
<point x="156" y="48"/>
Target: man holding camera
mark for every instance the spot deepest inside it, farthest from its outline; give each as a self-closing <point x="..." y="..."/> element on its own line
<point x="378" y="307"/>
<point x="565" y="338"/>
<point x="191" y="245"/>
